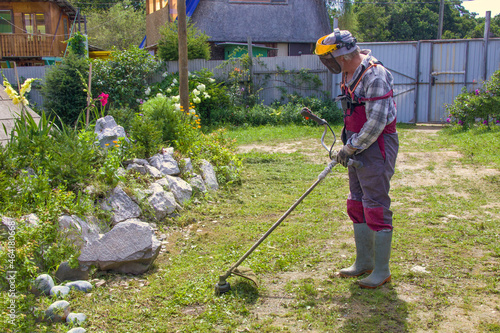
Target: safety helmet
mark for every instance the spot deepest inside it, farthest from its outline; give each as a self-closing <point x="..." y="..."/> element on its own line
<point x="334" y="45"/>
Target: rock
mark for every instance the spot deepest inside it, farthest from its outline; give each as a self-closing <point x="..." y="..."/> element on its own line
<point x="81" y="285"/>
<point x="166" y="163"/>
<point x="59" y="291"/>
<point x="419" y="269"/>
<point x="7" y="225"/>
<point x="57" y="311"/>
<point x="130" y="247"/>
<point x="76" y="318"/>
<point x="108" y="131"/>
<point x="197" y="184"/>
<point x="209" y="176"/>
<point x="162" y="202"/>
<point x="154" y="172"/>
<point x="138" y="161"/>
<point x="43" y="284"/>
<point x="123" y="207"/>
<point x="31" y="219"/>
<point x="181" y="189"/>
<point x="81" y="231"/>
<point x="188" y="166"/>
<point x="66" y="273"/>
<point x="138" y="168"/>
<point x="77" y="330"/>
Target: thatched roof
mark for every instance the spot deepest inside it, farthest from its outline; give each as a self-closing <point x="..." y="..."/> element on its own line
<point x="8" y="113"/>
<point x="294" y="21"/>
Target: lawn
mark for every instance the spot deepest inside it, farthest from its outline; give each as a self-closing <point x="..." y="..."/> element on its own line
<point x="445" y="255"/>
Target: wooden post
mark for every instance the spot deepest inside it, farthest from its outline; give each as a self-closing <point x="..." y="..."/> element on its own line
<point x="89" y="96"/>
<point x="19" y="89"/>
<point x="486" y="41"/>
<point x="441" y="18"/>
<point x="250" y="58"/>
<point x="183" y="55"/>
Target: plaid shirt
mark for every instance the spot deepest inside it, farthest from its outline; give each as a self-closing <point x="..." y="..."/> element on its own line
<point x="376" y="82"/>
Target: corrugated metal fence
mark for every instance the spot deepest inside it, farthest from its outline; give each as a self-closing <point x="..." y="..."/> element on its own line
<point x="427" y="74"/>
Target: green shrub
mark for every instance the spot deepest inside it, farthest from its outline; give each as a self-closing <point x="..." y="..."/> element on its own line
<point x="124" y="76"/>
<point x="481" y="105"/>
<point x="168" y="45"/>
<point x="63" y="90"/>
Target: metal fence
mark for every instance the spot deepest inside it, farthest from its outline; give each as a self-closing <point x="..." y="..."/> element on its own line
<point x="427" y="74"/>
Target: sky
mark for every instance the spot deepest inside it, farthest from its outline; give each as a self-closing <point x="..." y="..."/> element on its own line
<point x="481" y="6"/>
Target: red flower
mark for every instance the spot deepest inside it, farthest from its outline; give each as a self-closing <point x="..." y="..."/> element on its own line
<point x="103" y="98"/>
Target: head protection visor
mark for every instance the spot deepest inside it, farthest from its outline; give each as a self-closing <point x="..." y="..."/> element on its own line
<point x="329" y="61"/>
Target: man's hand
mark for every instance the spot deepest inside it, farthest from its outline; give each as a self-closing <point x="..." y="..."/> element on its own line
<point x="344" y="154"/>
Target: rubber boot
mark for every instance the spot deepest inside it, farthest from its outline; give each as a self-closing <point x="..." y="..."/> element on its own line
<point x="363" y="237"/>
<point x="381" y="273"/>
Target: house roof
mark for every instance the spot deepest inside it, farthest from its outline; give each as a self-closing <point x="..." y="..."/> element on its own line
<point x="296" y="21"/>
<point x="8" y="114"/>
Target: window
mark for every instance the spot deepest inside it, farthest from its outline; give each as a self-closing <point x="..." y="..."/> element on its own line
<point x="34" y="23"/>
<point x="40" y="23"/>
<point x="29" y="23"/>
<point x="6" y="22"/>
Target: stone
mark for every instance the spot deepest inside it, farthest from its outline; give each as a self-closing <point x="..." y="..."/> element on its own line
<point x="57" y="311"/>
<point x="165" y="163"/>
<point x="31" y="219"/>
<point x="7" y="226"/>
<point x="130" y="247"/>
<point x="197" y="184"/>
<point x="76" y="318"/>
<point x="77" y="330"/>
<point x="43" y="284"/>
<point x="59" y="291"/>
<point x="108" y="131"/>
<point x="154" y="172"/>
<point x="138" y="161"/>
<point x="209" y="176"/>
<point x="187" y="166"/>
<point x="79" y="230"/>
<point x="138" y="168"/>
<point x="81" y="285"/>
<point x="419" y="269"/>
<point x="181" y="189"/>
<point x="162" y="202"/>
<point x="123" y="207"/>
<point x="66" y="273"/>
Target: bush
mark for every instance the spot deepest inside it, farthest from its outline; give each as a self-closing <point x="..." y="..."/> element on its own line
<point x="123" y="76"/>
<point x="481" y="105"/>
<point x="63" y="89"/>
<point x="168" y="45"/>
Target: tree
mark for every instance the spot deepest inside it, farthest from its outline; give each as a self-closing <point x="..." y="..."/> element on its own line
<point x="168" y="45"/>
<point x="120" y="26"/>
<point x="63" y="89"/>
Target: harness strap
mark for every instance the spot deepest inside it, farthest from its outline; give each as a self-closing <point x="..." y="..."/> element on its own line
<point x="371" y="99"/>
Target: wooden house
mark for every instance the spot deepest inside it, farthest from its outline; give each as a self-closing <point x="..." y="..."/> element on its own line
<point x="275" y="27"/>
<point x="33" y="32"/>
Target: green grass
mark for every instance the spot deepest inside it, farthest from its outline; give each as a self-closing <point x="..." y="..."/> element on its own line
<point x="450" y="227"/>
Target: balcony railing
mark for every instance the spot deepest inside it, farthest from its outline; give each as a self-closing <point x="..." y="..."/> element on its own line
<point x="28" y="45"/>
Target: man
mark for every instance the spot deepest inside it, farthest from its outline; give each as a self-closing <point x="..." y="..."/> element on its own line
<point x="369" y="136"/>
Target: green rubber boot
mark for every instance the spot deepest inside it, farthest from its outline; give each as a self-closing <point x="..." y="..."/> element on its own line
<point x="364" y="238"/>
<point x="381" y="273"/>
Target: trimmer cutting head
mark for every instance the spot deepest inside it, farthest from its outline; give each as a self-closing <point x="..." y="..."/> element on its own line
<point x="222" y="287"/>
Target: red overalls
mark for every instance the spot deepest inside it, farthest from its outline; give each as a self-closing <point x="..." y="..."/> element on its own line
<point x="369" y="200"/>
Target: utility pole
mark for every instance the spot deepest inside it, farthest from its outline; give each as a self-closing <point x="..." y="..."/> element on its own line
<point x="183" y="55"/>
<point x="441" y="17"/>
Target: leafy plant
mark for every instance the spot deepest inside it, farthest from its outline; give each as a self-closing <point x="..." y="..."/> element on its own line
<point x="63" y="91"/>
<point x="483" y="104"/>
<point x="168" y="45"/>
<point x="123" y="76"/>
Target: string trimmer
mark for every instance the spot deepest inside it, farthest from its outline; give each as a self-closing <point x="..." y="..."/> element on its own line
<point x="223" y="286"/>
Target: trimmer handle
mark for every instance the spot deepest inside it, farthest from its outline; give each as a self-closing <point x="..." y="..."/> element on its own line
<point x="307" y="114"/>
<point x="355" y="163"/>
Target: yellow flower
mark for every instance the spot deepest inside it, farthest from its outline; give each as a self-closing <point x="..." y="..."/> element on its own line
<point x="15" y="99"/>
<point x="115" y="141"/>
<point x="24" y="100"/>
<point x="106" y="144"/>
<point x="26" y="86"/>
<point x="117" y="145"/>
<point x="11" y="92"/>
